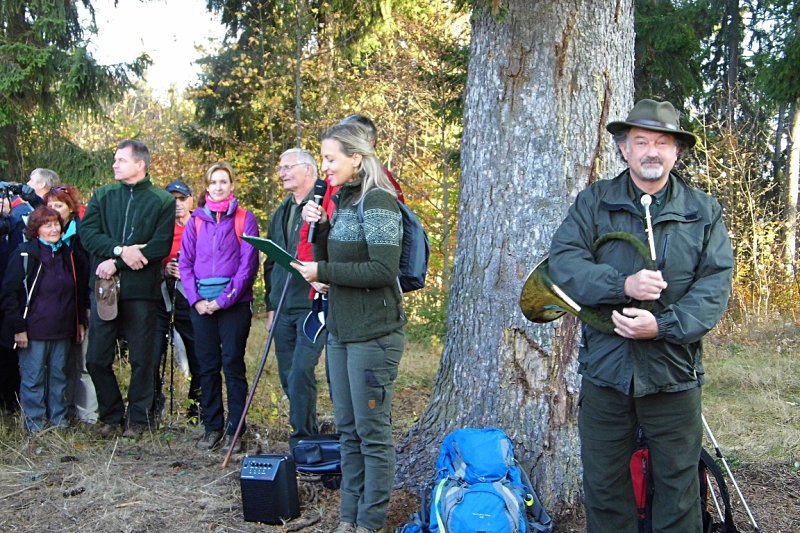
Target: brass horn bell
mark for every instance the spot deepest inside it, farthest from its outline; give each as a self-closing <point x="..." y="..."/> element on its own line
<point x="540" y="300"/>
<point x="544" y="301"/>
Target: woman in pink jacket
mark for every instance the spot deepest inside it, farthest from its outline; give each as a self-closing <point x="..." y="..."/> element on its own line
<point x="218" y="270"/>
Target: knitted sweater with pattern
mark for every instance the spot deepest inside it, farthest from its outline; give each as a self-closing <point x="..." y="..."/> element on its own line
<point x="361" y="263"/>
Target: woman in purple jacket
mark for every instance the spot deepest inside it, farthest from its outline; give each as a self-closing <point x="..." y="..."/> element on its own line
<point x="218" y="270"/>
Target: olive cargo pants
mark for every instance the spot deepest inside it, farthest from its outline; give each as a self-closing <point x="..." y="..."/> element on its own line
<point x="362" y="385"/>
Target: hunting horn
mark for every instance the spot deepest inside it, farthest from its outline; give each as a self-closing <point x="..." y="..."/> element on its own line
<point x="647" y="200"/>
<point x="543" y="301"/>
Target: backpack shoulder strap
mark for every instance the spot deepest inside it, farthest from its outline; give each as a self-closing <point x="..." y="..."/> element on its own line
<point x="360" y="208"/>
<point x="538" y="519"/>
<point x="238" y="222"/>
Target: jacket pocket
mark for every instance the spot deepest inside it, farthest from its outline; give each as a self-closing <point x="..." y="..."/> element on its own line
<point x="375" y="305"/>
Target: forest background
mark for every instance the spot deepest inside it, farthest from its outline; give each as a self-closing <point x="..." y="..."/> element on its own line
<point x="289" y="69"/>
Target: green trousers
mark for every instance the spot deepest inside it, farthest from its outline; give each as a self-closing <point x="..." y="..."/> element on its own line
<point x="362" y="386"/>
<point x="607" y="422"/>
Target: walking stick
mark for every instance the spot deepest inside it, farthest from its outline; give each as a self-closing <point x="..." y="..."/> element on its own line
<point x="172" y="347"/>
<point x="718" y="452"/>
<point x="258" y="374"/>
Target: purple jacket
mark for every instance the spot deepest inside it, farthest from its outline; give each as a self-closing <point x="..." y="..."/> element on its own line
<point x="218" y="253"/>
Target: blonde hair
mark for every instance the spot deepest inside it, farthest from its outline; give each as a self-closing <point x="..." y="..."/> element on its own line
<point x="220" y="165"/>
<point x="354" y="139"/>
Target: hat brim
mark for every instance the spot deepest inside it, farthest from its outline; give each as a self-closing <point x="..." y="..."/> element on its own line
<point x="616" y="127"/>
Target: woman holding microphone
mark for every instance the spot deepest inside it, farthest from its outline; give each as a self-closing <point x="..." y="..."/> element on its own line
<point x="360" y="263"/>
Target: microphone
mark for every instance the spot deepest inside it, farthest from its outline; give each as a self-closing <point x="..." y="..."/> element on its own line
<point x="319" y="192"/>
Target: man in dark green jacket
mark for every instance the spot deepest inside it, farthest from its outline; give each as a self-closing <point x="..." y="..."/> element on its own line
<point x="127" y="228"/>
<point x="649" y="371"/>
<point x="296" y="354"/>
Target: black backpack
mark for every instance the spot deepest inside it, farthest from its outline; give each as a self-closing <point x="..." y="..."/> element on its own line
<point x="713" y="502"/>
<point x="416" y="249"/>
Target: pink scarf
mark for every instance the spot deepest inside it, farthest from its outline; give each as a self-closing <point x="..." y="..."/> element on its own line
<point x="220" y="206"/>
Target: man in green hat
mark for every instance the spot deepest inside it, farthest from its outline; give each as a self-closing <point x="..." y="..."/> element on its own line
<point x="647" y="373"/>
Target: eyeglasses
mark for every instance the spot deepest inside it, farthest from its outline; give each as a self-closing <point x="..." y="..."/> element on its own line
<point x="287" y="168"/>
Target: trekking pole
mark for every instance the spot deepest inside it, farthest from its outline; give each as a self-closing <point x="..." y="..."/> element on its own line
<point x="172" y="351"/>
<point x="717" y="506"/>
<point x="718" y="452"/>
<point x="258" y="373"/>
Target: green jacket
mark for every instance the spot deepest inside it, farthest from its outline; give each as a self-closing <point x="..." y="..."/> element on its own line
<point x="694" y="254"/>
<point x="122" y="215"/>
<point x="361" y="263"/>
<point x="297" y="295"/>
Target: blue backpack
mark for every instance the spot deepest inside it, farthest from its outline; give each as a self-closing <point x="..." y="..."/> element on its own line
<point x="480" y="487"/>
<point x="416" y="249"/>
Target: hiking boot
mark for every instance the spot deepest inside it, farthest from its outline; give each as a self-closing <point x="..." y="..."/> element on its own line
<point x="106" y="431"/>
<point x="209" y="440"/>
<point x="237" y="448"/>
<point x="134" y="431"/>
<point x="361" y="529"/>
<point x="345" y="527"/>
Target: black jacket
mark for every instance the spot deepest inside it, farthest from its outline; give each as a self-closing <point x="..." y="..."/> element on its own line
<point x="13" y="297"/>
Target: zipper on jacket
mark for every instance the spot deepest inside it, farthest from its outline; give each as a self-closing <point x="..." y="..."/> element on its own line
<point x="214" y="240"/>
<point x="125" y="223"/>
<point x="662" y="259"/>
<point x="75" y="292"/>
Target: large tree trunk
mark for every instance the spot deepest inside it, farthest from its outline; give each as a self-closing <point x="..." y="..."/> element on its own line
<point x="544" y="79"/>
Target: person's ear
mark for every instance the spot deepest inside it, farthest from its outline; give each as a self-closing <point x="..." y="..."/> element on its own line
<point x="623" y="150"/>
<point x="357" y="158"/>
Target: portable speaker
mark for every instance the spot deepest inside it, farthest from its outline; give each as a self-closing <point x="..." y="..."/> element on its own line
<point x="269" y="488"/>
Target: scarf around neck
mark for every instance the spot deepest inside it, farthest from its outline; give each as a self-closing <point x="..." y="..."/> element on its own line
<point x="53" y="247"/>
<point x="219" y="206"/>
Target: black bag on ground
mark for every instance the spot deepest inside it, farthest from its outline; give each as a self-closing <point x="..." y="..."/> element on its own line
<point x="318" y="454"/>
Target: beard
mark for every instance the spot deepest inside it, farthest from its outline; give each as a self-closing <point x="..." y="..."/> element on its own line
<point x="650" y="172"/>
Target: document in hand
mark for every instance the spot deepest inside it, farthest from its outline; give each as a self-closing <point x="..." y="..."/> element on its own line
<point x="274" y="252"/>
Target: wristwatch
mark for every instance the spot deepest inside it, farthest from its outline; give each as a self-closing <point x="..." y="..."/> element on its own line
<point x="117" y="251"/>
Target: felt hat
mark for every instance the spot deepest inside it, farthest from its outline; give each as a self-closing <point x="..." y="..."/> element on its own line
<point x="654" y="116"/>
<point x="106" y="294"/>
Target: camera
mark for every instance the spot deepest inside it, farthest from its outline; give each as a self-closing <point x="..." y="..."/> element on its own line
<point x="10" y="188"/>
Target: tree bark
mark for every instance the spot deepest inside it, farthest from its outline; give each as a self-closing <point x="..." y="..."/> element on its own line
<point x="545" y="77"/>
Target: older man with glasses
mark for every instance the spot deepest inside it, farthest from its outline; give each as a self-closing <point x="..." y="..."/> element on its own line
<point x="297" y="356"/>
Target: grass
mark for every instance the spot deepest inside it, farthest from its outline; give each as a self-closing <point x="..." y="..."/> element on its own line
<point x="751" y="398"/>
<point x="752" y="394"/>
<point x="73" y="481"/>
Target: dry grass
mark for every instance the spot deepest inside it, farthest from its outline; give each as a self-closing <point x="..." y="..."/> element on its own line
<point x="73" y="482"/>
<point x="752" y="393"/>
